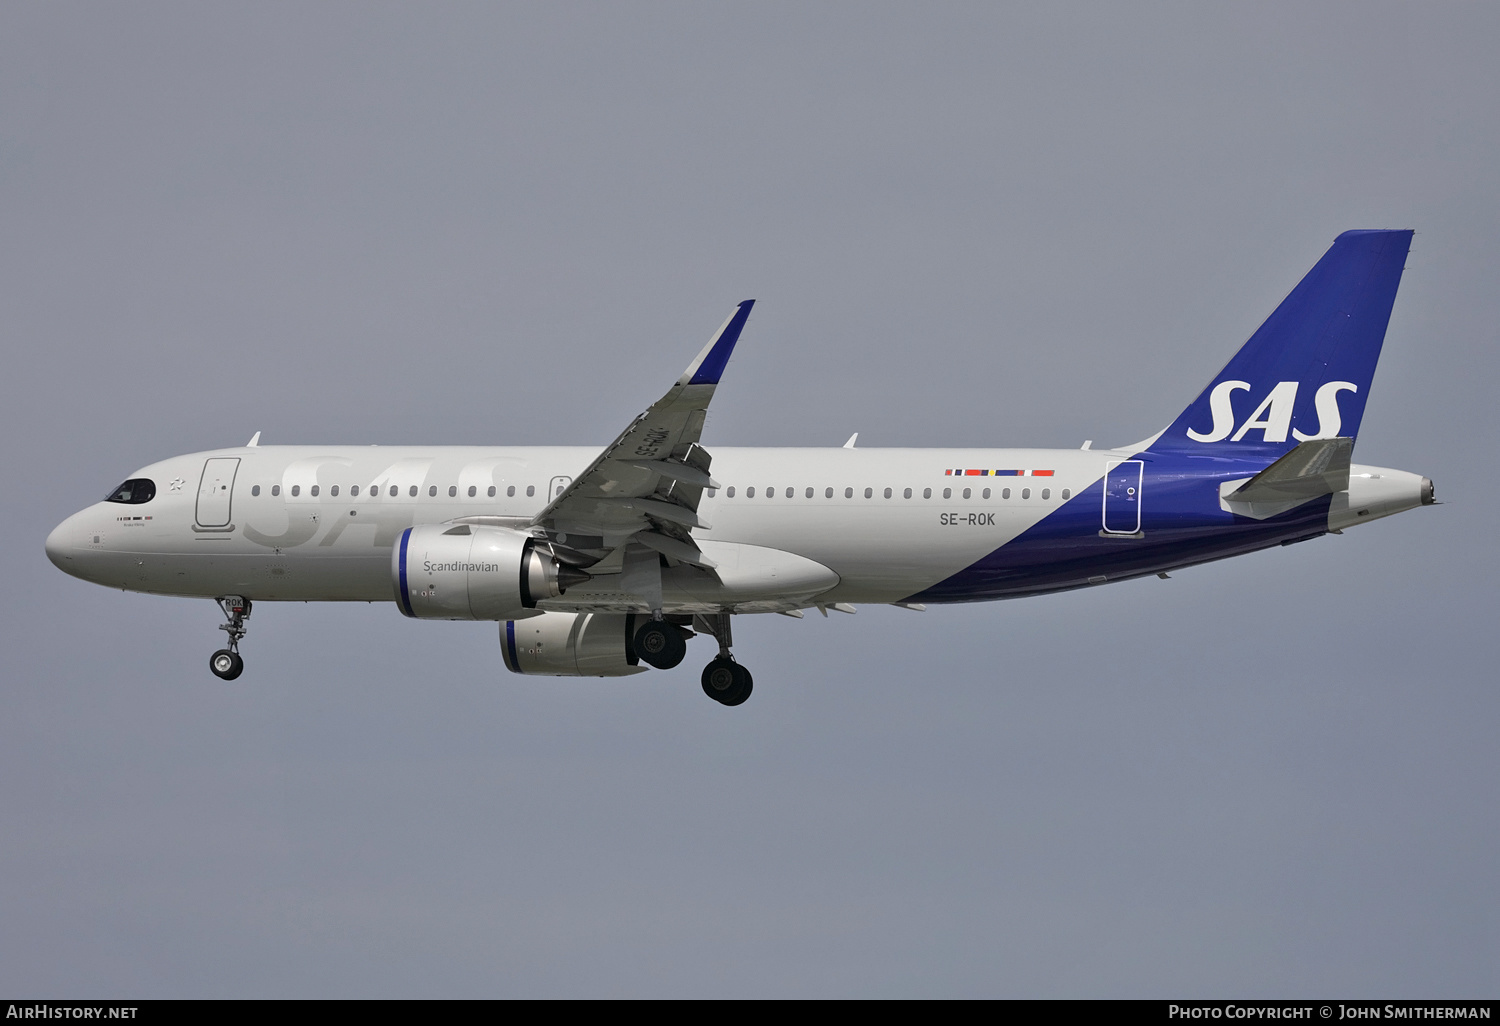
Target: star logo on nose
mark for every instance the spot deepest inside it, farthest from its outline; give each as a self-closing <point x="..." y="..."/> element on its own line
<point x="176" y="485"/>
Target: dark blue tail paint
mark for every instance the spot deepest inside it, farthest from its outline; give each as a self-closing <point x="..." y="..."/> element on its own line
<point x="1305" y="373"/>
<point x="1181" y="524"/>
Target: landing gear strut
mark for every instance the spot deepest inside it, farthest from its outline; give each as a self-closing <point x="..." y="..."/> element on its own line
<point x="724" y="680"/>
<point x="226" y="662"/>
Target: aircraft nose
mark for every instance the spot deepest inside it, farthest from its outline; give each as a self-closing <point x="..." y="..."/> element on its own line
<point x="62" y="544"/>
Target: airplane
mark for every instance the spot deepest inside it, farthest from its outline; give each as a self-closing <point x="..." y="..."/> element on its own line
<point x="605" y="563"/>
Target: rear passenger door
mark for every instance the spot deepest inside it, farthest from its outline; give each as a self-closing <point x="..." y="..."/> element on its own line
<point x="1122" y="497"/>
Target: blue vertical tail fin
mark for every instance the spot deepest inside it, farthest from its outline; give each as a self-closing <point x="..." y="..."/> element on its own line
<point x="1306" y="372"/>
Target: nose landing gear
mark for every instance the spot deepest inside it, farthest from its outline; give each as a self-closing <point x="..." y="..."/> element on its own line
<point x="226" y="663"/>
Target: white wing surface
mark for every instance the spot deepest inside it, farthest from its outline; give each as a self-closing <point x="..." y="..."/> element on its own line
<point x="646" y="484"/>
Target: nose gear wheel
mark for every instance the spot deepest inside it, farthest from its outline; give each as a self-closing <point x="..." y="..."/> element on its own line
<point x="226" y="663"/>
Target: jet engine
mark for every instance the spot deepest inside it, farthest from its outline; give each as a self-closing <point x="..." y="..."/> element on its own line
<point x="571" y="645"/>
<point x="465" y="572"/>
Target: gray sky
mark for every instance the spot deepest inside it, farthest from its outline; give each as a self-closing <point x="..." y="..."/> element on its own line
<point x="965" y="225"/>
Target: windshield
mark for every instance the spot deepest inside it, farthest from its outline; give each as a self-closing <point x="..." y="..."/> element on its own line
<point x="134" y="492"/>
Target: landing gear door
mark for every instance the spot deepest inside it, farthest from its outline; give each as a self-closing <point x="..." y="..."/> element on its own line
<point x="1122" y="497"/>
<point x="216" y="490"/>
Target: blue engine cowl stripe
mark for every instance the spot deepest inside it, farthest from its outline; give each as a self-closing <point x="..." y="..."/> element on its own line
<point x="508" y="650"/>
<point x="402" y="595"/>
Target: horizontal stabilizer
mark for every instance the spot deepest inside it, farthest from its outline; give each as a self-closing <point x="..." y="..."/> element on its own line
<point x="1319" y="466"/>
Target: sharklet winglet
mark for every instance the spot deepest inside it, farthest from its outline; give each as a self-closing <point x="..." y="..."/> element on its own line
<point x="709" y="366"/>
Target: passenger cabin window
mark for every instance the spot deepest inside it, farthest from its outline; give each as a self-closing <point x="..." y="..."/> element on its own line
<point x="789" y="493"/>
<point x="431" y="491"/>
<point x="452" y="491"/>
<point x="729" y="491"/>
<point x="491" y="492"/>
<point x="393" y="491"/>
<point x="314" y="490"/>
<point x="985" y="494"/>
<point x="511" y="491"/>
<point x="828" y="494"/>
<point x="255" y="490"/>
<point x="473" y="491"/>
<point x="334" y="490"/>
<point x="134" y="492"/>
<point x="354" y="489"/>
<point x="869" y="493"/>
<point x="809" y="493"/>
<point x="1067" y="494"/>
<point x="926" y="493"/>
<point x="947" y="493"/>
<point x="1025" y="493"/>
<point x="1046" y="493"/>
<point x="296" y="490"/>
<point x="906" y="494"/>
<point x="848" y="493"/>
<point x="1005" y="493"/>
<point x="750" y="492"/>
<point x="412" y="491"/>
<point x="887" y="493"/>
<point x="712" y="492"/>
<point x="968" y="492"/>
<point x="530" y="490"/>
<point x="276" y="489"/>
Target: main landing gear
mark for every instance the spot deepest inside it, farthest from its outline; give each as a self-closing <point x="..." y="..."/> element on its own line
<point x="660" y="644"/>
<point x="724" y="680"/>
<point x="663" y="644"/>
<point x="226" y="662"/>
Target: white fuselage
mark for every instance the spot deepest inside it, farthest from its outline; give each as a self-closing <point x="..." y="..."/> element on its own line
<point x="318" y="523"/>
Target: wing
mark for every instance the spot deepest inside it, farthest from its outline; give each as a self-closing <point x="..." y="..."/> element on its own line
<point x="646" y="484"/>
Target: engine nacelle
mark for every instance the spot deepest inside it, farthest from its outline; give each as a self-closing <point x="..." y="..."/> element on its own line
<point x="468" y="572"/>
<point x="571" y="645"/>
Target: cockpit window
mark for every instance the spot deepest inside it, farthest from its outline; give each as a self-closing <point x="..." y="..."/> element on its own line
<point x="134" y="492"/>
